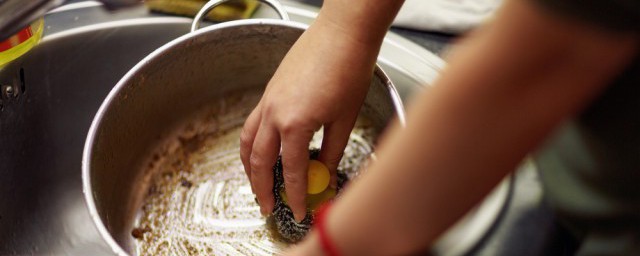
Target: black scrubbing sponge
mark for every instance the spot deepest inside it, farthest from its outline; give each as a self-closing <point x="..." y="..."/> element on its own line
<point x="285" y="223"/>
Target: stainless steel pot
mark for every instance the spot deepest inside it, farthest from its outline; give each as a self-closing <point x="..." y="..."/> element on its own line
<point x="162" y="92"/>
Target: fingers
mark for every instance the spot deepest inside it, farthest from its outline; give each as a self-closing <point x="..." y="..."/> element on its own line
<point x="264" y="153"/>
<point x="335" y="139"/>
<point x="295" y="161"/>
<point x="247" y="136"/>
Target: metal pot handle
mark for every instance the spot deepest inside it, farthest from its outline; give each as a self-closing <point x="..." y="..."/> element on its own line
<point x="213" y="3"/>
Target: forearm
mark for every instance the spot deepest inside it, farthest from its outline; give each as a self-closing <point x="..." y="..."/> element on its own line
<point x="501" y="95"/>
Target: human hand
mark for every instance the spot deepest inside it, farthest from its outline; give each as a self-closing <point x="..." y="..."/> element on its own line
<point x="321" y="82"/>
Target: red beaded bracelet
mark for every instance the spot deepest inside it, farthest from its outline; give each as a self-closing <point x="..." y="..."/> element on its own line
<point x="320" y="224"/>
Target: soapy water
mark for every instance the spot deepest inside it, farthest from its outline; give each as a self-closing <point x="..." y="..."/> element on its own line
<point x="199" y="200"/>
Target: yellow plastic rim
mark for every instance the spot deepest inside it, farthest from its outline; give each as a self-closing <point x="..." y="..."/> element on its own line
<point x="19" y="50"/>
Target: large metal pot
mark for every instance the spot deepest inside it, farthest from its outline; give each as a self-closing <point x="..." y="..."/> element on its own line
<point x="163" y="91"/>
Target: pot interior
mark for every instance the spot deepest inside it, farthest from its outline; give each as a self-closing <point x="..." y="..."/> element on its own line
<point x="162" y="156"/>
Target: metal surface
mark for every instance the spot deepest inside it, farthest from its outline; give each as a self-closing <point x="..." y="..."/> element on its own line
<point x="42" y="132"/>
<point x="214" y="3"/>
<point x="86" y="50"/>
<point x="181" y="78"/>
<point x="16" y="14"/>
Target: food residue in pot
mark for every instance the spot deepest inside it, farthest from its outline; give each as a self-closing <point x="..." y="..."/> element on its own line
<point x="199" y="200"/>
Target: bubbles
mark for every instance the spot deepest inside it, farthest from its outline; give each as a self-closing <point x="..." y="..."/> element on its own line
<point x="200" y="200"/>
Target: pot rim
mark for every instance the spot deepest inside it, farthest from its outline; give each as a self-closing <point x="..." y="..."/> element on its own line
<point x="87" y="189"/>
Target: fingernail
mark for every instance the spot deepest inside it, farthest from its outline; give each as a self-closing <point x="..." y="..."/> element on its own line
<point x="299" y="217"/>
<point x="265" y="211"/>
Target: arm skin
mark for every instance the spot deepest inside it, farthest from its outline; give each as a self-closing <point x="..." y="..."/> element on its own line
<point x="505" y="90"/>
<point x="322" y="82"/>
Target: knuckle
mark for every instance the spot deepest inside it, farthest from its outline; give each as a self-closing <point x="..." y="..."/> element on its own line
<point x="292" y="178"/>
<point x="246" y="139"/>
<point x="268" y="108"/>
<point x="294" y="156"/>
<point x="256" y="162"/>
<point x="293" y="124"/>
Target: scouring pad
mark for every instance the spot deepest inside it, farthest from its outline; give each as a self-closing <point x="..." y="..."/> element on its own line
<point x="282" y="215"/>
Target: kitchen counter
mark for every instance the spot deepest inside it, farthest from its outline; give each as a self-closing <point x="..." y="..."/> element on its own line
<point x="432" y="41"/>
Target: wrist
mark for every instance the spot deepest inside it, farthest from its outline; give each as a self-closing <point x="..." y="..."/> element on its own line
<point x="364" y="22"/>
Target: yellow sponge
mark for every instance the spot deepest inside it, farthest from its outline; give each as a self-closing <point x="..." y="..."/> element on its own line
<point x="232" y="10"/>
